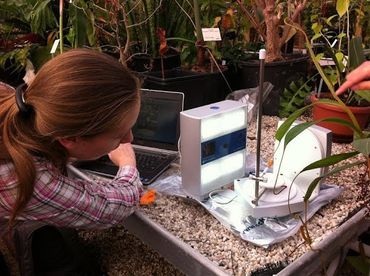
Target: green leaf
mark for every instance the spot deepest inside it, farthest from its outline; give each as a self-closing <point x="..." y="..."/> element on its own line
<point x="91" y="28"/>
<point x="356" y="53"/>
<point x="328" y="20"/>
<point x="330" y="160"/>
<point x="298" y="101"/>
<point x="342" y="7"/>
<point x="364" y="94"/>
<point x="339" y="56"/>
<point x="293" y="86"/>
<point x="319" y="56"/>
<point x="316" y="36"/>
<point x="81" y="19"/>
<point x="341" y="122"/>
<point x="42" y="17"/>
<point x="336" y="170"/>
<point x="362" y="145"/>
<point x="341" y="35"/>
<point x="295" y="131"/>
<point x="316" y="27"/>
<point x="284" y="127"/>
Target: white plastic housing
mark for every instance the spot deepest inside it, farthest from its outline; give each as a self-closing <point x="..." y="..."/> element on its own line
<point x="208" y="123"/>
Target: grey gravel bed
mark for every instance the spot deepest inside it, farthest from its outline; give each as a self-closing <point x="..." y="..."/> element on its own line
<point x="123" y="254"/>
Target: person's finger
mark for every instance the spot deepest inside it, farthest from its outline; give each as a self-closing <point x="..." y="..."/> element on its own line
<point x="343" y="88"/>
<point x="360" y="74"/>
<point x="364" y="85"/>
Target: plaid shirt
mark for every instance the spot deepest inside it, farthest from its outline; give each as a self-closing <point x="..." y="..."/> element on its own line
<point x="62" y="201"/>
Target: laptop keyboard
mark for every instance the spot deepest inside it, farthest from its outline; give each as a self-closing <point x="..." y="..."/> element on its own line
<point x="149" y="165"/>
<point x="146" y="161"/>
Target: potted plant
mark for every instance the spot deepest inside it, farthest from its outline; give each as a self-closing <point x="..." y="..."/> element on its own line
<point x="361" y="138"/>
<point x="203" y="82"/>
<point x="342" y="53"/>
<point x="151" y="29"/>
<point x="271" y="27"/>
<point x="267" y="22"/>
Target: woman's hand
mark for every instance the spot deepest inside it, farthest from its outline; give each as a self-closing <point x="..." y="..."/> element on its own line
<point x="123" y="155"/>
<point x="358" y="79"/>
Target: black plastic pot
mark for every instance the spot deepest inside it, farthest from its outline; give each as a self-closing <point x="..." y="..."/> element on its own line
<point x="279" y="73"/>
<point x="199" y="88"/>
<point x="144" y="62"/>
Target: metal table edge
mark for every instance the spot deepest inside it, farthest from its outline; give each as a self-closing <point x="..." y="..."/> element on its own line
<point x="174" y="250"/>
<point x="329" y="247"/>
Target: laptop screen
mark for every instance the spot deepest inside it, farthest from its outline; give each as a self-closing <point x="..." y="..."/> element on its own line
<point x="158" y="122"/>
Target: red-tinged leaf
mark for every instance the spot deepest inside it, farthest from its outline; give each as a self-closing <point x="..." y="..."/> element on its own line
<point x="101" y="19"/>
<point x="227" y="22"/>
<point x="162" y="40"/>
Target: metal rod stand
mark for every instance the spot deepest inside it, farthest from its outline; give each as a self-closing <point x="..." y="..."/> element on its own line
<point x="262" y="56"/>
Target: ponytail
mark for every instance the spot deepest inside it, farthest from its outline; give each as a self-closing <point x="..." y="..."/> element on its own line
<point x="19" y="144"/>
<point x="11" y="148"/>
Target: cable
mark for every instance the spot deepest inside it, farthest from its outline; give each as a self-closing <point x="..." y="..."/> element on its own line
<point x="217" y="191"/>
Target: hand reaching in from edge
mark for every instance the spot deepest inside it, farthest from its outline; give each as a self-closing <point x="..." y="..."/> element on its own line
<point x="123" y="155"/>
<point x="358" y="79"/>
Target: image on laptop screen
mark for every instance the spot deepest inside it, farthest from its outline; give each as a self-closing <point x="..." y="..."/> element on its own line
<point x="158" y="121"/>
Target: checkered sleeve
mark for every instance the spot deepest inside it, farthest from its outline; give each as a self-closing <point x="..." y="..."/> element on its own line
<point x="69" y="202"/>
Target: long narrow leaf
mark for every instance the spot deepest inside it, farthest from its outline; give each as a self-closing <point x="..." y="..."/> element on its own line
<point x="296" y="130"/>
<point x="336" y="170"/>
<point x="362" y="145"/>
<point x="330" y="160"/>
<point x="334" y="58"/>
<point x="365" y="94"/>
<point x="285" y="126"/>
<point x="342" y="122"/>
<point x="356" y="53"/>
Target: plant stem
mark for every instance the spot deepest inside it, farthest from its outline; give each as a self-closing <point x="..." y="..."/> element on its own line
<point x="198" y="27"/>
<point x="124" y="52"/>
<point x="200" y="42"/>
<point x="180" y="39"/>
<point x="61" y="5"/>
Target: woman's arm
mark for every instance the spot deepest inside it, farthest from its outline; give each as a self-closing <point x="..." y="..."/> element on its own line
<point x="69" y="202"/>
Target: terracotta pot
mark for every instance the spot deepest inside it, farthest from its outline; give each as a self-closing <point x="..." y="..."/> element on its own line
<point x="340" y="133"/>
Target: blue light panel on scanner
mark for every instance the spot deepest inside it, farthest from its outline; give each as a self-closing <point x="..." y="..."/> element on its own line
<point x="223" y="145"/>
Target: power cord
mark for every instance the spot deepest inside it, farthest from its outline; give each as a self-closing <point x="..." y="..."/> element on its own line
<point x="212" y="193"/>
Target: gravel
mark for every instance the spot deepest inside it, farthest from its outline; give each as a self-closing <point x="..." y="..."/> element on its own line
<point x="123" y="254"/>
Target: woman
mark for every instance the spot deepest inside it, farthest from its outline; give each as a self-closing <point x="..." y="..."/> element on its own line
<point x="82" y="104"/>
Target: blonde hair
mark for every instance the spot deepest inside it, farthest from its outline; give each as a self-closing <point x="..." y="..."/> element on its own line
<point x="78" y="93"/>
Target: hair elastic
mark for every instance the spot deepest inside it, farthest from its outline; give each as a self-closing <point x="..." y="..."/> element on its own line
<point x="19" y="99"/>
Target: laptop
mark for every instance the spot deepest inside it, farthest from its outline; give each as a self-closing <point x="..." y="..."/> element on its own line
<point x="156" y="136"/>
